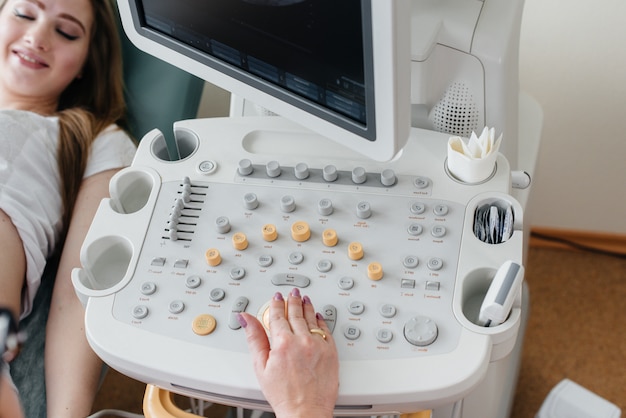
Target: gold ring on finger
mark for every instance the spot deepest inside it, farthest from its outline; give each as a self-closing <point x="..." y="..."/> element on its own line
<point x="318" y="331"/>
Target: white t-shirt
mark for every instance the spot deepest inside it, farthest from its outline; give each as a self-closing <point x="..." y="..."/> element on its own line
<point x="30" y="183"/>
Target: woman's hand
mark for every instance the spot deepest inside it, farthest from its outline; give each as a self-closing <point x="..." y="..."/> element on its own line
<point x="299" y="370"/>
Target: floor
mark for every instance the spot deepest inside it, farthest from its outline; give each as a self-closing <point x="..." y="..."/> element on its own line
<point x="576" y="330"/>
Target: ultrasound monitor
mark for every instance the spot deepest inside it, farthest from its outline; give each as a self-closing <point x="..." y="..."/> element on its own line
<point x="338" y="68"/>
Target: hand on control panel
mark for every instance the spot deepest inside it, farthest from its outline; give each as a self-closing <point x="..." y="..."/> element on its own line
<point x="299" y="369"/>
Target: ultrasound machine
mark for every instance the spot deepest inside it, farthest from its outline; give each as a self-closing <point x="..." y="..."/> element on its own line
<point x="330" y="174"/>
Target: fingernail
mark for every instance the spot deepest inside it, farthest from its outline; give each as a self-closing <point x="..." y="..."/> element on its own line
<point x="319" y="316"/>
<point x="295" y="292"/>
<point x="242" y="320"/>
<point x="278" y="296"/>
<point x="306" y="300"/>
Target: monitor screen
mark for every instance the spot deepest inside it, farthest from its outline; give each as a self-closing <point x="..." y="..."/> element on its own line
<point x="340" y="68"/>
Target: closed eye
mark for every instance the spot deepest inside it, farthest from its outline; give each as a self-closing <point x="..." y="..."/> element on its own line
<point x="67" y="35"/>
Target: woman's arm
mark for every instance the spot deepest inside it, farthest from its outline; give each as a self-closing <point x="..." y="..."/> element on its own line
<point x="72" y="369"/>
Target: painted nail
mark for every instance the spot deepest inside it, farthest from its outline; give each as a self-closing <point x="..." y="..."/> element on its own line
<point x="242" y="320"/>
<point x="319" y="316"/>
<point x="278" y="296"/>
<point x="295" y="292"/>
<point x="306" y="300"/>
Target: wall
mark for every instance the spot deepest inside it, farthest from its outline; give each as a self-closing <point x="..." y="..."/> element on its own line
<point x="573" y="61"/>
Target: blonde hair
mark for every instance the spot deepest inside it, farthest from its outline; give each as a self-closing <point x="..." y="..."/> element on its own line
<point x="90" y="103"/>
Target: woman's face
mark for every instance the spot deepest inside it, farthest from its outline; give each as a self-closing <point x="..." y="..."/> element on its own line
<point x="43" y="47"/>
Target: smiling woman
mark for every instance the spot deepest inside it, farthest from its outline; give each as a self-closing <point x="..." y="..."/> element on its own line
<point x="61" y="139"/>
<point x="46" y="45"/>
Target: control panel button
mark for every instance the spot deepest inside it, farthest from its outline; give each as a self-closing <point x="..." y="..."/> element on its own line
<point x="435" y="264"/>
<point x="217" y="295"/>
<point x="410" y="261"/>
<point x="440" y="210"/>
<point x="176" y="306"/>
<point x="237" y="273"/>
<point x="329" y="173"/>
<point x="301" y="171"/>
<point x="407" y="284"/>
<point x="345" y="283"/>
<point x="213" y="257"/>
<point x="359" y="175"/>
<point x="240" y="305"/>
<point x="269" y="232"/>
<point x="356" y="307"/>
<point x="421" y="182"/>
<point x="355" y="251"/>
<point x="158" y="262"/>
<point x="433" y="285"/>
<point x="140" y="311"/>
<point x="438" y="231"/>
<point x="329" y="237"/>
<point x="388" y="310"/>
<point x="388" y="177"/>
<point x="384" y="335"/>
<point x="417" y="208"/>
<point x="329" y="312"/>
<point x="207" y="167"/>
<point x="193" y="282"/>
<point x="415" y="229"/>
<point x="222" y="225"/>
<point x="300" y="231"/>
<point x="363" y="210"/>
<point x="325" y="207"/>
<point x="203" y="324"/>
<point x="273" y="169"/>
<point x="324" y="266"/>
<point x="245" y="167"/>
<point x="181" y="263"/>
<point x="265" y="260"/>
<point x="250" y="201"/>
<point x="351" y="332"/>
<point x="375" y="271"/>
<point x="288" y="279"/>
<point x="296" y="258"/>
<point x="240" y="241"/>
<point x="287" y="204"/>
<point x="148" y="288"/>
<point x="420" y="331"/>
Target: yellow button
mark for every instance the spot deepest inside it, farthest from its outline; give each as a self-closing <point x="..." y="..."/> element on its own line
<point x="329" y="237"/>
<point x="375" y="271"/>
<point x="269" y="232"/>
<point x="213" y="257"/>
<point x="300" y="231"/>
<point x="203" y="324"/>
<point x="240" y="241"/>
<point x="355" y="251"/>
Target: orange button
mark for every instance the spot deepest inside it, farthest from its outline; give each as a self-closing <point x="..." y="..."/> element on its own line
<point x="269" y="232"/>
<point x="375" y="271"/>
<point x="355" y="251"/>
<point x="203" y="324"/>
<point x="300" y="231"/>
<point x="329" y="237"/>
<point x="240" y="241"/>
<point x="213" y="257"/>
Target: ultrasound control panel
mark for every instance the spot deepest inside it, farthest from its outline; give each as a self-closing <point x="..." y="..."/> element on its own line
<point x="387" y="253"/>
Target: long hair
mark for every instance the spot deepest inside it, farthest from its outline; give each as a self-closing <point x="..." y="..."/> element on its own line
<point x="90" y="103"/>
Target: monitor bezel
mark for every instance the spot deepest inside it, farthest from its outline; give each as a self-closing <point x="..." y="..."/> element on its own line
<point x="387" y="69"/>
